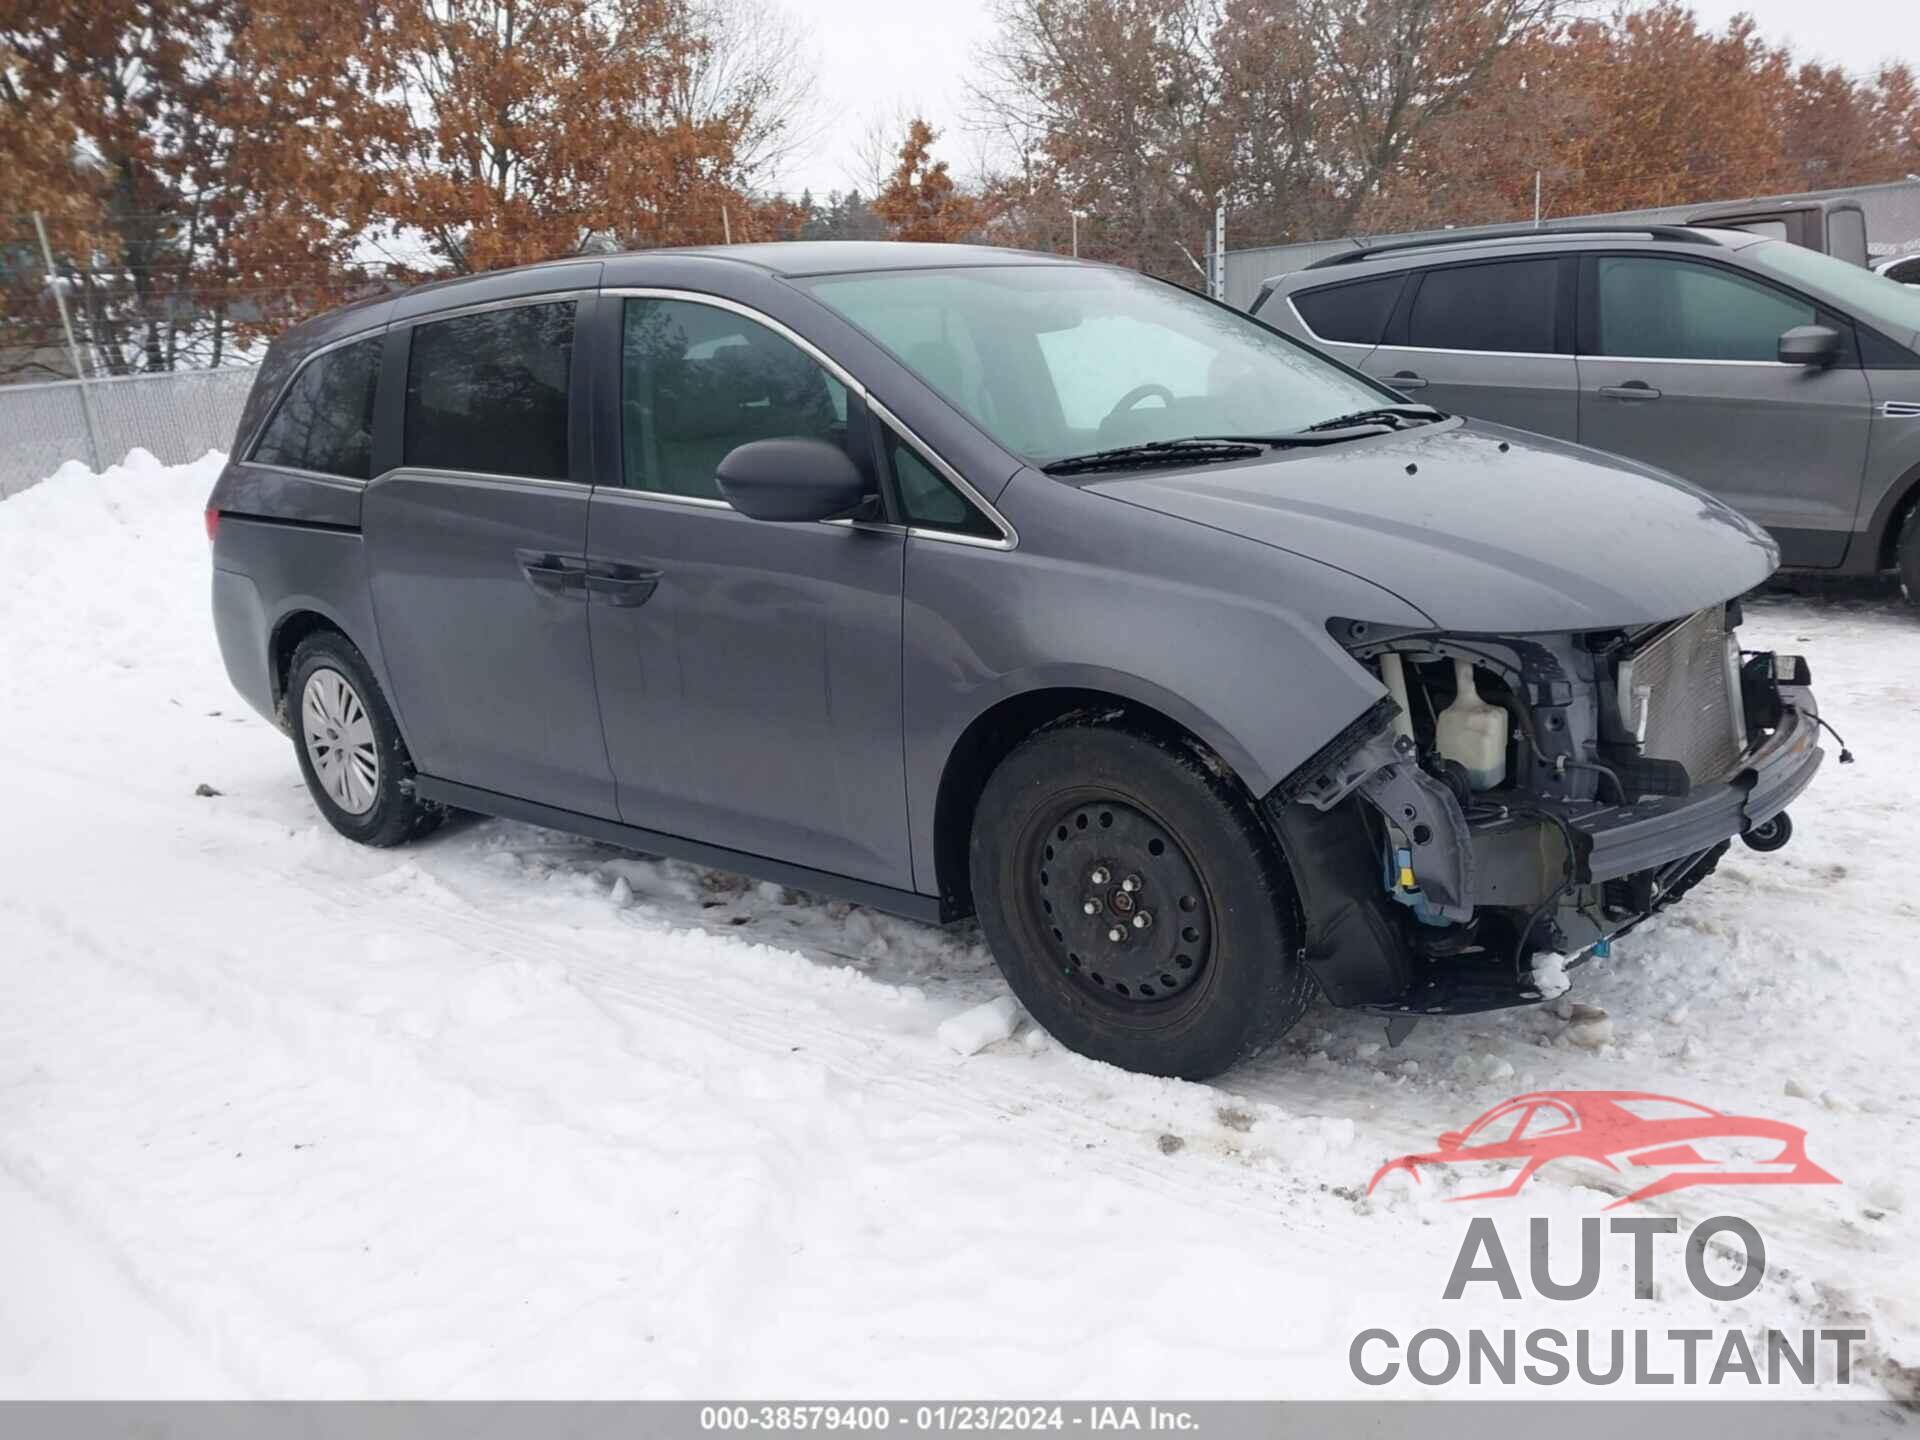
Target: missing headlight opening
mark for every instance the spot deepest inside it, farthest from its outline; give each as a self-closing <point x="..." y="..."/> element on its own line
<point x="1513" y="795"/>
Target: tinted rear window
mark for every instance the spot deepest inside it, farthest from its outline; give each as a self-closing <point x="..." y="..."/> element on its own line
<point x="488" y="392"/>
<point x="1504" y="306"/>
<point x="1353" y="314"/>
<point x="325" y="423"/>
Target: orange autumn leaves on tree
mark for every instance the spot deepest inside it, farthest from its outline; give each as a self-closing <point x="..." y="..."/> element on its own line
<point x="209" y="167"/>
<point x="920" y="200"/>
<point x="530" y="127"/>
<point x="1649" y="108"/>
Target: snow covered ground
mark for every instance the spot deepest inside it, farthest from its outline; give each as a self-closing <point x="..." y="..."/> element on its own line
<point x="512" y="1114"/>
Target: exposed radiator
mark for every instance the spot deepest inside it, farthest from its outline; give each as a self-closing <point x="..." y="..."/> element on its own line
<point x="1680" y="696"/>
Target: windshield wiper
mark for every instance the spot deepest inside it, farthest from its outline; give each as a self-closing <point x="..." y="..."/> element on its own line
<point x="1200" y="449"/>
<point x="1197" y="450"/>
<point x="1394" y="417"/>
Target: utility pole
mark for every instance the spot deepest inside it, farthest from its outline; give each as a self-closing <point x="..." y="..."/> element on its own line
<point x="73" y="350"/>
<point x="1078" y="216"/>
<point x="1536" y="199"/>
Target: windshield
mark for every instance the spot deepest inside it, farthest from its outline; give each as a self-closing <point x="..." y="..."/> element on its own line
<point x="1886" y="304"/>
<point x="1057" y="360"/>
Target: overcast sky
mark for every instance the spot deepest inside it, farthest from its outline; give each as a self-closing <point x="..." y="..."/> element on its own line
<point x="880" y="58"/>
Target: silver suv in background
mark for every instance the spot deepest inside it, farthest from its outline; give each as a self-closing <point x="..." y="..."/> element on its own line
<point x="1784" y="381"/>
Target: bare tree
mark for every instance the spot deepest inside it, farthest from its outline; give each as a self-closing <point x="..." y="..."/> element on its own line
<point x="749" y="66"/>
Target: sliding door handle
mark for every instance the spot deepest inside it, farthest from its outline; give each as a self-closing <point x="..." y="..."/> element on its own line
<point x="1632" y="390"/>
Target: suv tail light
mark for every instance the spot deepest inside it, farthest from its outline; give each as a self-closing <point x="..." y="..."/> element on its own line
<point x="213" y="523"/>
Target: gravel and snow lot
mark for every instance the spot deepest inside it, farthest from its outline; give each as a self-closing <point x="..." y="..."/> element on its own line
<point x="512" y="1114"/>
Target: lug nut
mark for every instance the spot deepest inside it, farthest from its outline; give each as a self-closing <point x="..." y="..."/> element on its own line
<point x="1130" y="884"/>
<point x="1142" y="920"/>
<point x="1116" y="934"/>
<point x="1092" y="907"/>
<point x="1098" y="875"/>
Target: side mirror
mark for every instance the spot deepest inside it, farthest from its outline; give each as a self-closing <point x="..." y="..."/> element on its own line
<point x="791" y="480"/>
<point x="1452" y="1140"/>
<point x="1809" y="345"/>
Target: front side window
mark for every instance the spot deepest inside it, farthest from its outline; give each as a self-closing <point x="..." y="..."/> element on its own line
<point x="487" y="392"/>
<point x="1058" y="360"/>
<point x="325" y="423"/>
<point x="697" y="380"/>
<point x="1651" y="308"/>
<point x="1509" y="305"/>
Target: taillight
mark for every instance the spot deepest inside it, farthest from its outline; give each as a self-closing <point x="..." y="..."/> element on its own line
<point x="213" y="523"/>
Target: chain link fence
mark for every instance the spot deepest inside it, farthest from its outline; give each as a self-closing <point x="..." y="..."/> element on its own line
<point x="178" y="416"/>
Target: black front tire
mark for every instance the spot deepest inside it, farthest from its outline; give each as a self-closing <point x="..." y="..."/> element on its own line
<point x="1907" y="556"/>
<point x="396" y="814"/>
<point x="1074" y="814"/>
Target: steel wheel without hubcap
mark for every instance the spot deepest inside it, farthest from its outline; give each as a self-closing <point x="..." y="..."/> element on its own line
<point x="1134" y="901"/>
<point x="1130" y="918"/>
<point x="340" y="741"/>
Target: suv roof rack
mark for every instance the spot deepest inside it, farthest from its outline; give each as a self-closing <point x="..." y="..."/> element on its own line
<point x="1685" y="234"/>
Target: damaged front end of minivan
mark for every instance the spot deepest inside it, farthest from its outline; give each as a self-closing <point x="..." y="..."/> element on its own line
<point x="1513" y="795"/>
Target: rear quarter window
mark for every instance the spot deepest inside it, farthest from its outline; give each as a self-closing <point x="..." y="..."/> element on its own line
<point x="1352" y="314"/>
<point x="324" y="423"/>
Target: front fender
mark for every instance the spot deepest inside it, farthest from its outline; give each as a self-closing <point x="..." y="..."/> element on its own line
<point x="1243" y="660"/>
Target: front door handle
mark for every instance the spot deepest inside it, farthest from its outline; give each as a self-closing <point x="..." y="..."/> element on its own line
<point x="1407" y="380"/>
<point x="625" y="585"/>
<point x="1632" y="390"/>
<point x="551" y="574"/>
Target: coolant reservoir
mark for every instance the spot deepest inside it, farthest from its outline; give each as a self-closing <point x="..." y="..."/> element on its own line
<point x="1473" y="732"/>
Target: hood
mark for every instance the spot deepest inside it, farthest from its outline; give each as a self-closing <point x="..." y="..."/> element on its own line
<point x="1536" y="536"/>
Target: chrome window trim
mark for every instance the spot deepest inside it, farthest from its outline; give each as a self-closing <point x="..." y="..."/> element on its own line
<point x="434" y="472"/>
<point x="1681" y="360"/>
<point x="1009" y="537"/>
<point x="1578" y="355"/>
<point x="662" y="497"/>
<point x="481" y="307"/>
<point x="280" y="395"/>
<point x="1441" y="350"/>
<point x="718" y="302"/>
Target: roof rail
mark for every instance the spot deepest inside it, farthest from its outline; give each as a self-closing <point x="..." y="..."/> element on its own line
<point x="1684" y="234"/>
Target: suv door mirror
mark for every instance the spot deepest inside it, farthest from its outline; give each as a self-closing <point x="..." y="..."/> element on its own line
<point x="1809" y="345"/>
<point x="792" y="479"/>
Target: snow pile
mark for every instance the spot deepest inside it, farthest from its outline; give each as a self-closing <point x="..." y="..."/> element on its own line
<point x="972" y="1031"/>
<point x="511" y="1114"/>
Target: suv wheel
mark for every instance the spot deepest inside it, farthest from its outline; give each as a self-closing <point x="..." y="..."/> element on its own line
<point x="1907" y="555"/>
<point x="355" y="763"/>
<point x="1135" y="903"/>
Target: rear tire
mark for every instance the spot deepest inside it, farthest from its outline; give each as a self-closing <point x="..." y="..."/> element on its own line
<point x="355" y="764"/>
<point x="1087" y="814"/>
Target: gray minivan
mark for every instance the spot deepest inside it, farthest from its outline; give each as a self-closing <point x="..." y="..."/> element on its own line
<point x="1784" y="381"/>
<point x="1208" y="673"/>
